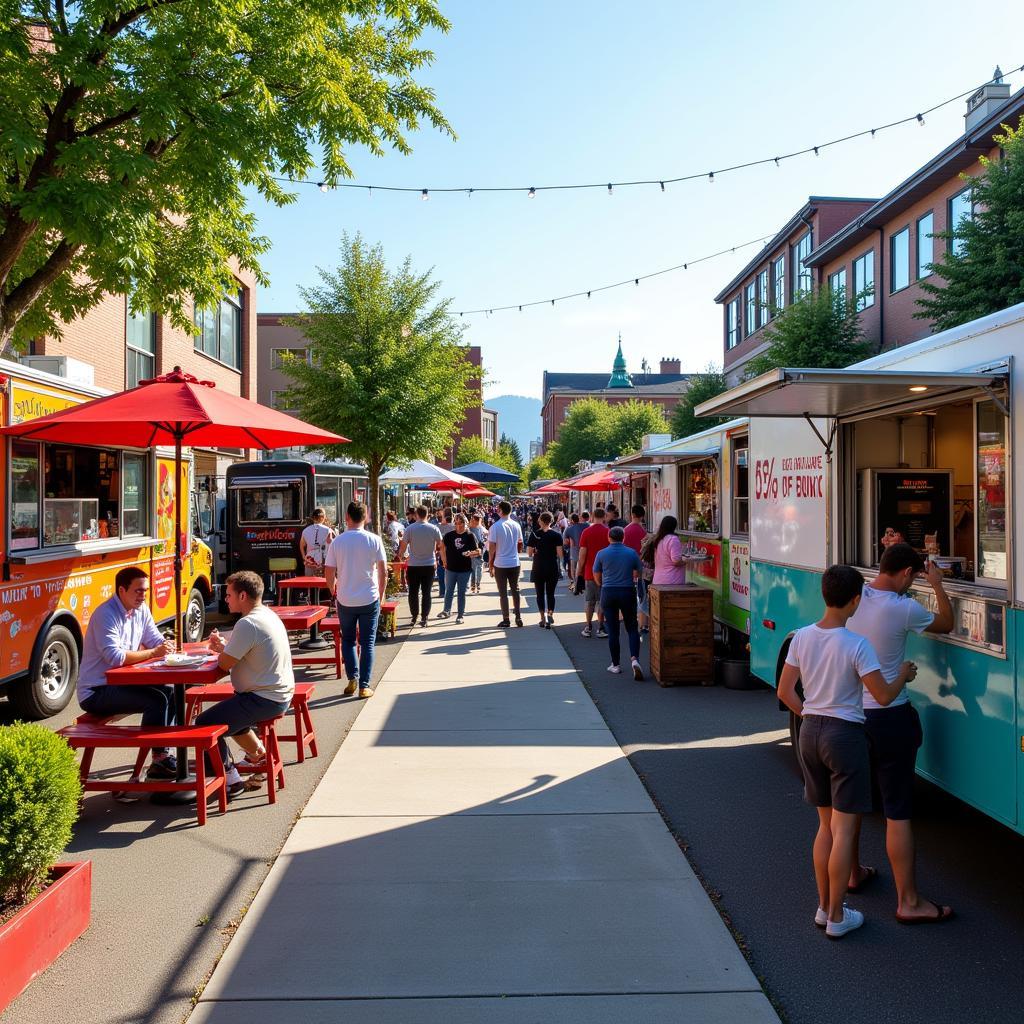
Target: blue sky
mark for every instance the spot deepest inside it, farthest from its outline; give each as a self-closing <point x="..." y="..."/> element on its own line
<point x="565" y="92"/>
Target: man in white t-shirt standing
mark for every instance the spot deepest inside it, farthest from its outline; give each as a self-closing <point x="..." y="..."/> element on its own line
<point x="504" y="543"/>
<point x="885" y="617"/>
<point x="356" y="571"/>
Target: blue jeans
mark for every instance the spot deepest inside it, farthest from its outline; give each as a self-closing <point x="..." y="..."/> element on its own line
<point x="476" y="572"/>
<point x="361" y="617"/>
<point x="239" y="713"/>
<point x="613" y="601"/>
<point x="440" y="579"/>
<point x="155" y="703"/>
<point x="452" y="580"/>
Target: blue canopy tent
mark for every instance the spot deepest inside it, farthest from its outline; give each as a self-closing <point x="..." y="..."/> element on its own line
<point x="485" y="473"/>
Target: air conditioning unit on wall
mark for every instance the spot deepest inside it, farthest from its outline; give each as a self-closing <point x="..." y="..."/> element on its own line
<point x="73" y="370"/>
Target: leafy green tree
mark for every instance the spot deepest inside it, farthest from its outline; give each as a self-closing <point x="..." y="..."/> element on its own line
<point x="509" y="449"/>
<point x="387" y="368"/>
<point x="584" y="434"/>
<point x="982" y="269"/>
<point x="538" y="468"/>
<point x="630" y="421"/>
<point x="709" y="383"/>
<point x="821" y="328"/>
<point x="129" y="132"/>
<point x="473" y="449"/>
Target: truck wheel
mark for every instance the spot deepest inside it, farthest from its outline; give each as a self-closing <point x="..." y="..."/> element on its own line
<point x="795" y="721"/>
<point x="50" y="684"/>
<point x="195" y="617"/>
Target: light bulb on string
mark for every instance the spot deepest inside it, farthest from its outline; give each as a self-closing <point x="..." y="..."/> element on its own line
<point x="920" y="120"/>
<point x="532" y="194"/>
<point x="323" y="186"/>
<point x="711" y="178"/>
<point x="425" y="194"/>
<point x="609" y="188"/>
<point x="662" y="185"/>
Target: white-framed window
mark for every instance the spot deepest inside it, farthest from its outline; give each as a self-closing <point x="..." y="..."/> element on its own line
<point x="278" y="356"/>
<point x="864" y="279"/>
<point x="140" y="347"/>
<point x="219" y="331"/>
<point x="803" y="279"/>
<point x="899" y="260"/>
<point x="925" y="227"/>
<point x="837" y="281"/>
<point x="763" y="300"/>
<point x="740" y="486"/>
<point x="750" y="299"/>
<point x="779" y="276"/>
<point x="279" y="400"/>
<point x="732" y="323"/>
<point x="959" y="208"/>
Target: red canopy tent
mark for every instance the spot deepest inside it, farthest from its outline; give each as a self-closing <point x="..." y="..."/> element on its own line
<point x="558" y="487"/>
<point x="602" y="480"/>
<point x="174" y="409"/>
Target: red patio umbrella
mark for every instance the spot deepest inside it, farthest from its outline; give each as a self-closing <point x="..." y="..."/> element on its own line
<point x="175" y="408"/>
<point x="602" y="480"/>
<point x="558" y="487"/>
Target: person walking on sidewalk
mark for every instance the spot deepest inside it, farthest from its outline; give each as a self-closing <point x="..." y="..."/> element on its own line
<point x="545" y="548"/>
<point x="504" y="545"/>
<point x="835" y="665"/>
<point x="593" y="540"/>
<point x="477" y="528"/>
<point x="886" y="616"/>
<point x="665" y="551"/>
<point x="616" y="571"/>
<point x="578" y="522"/>
<point x="446" y="525"/>
<point x="634" y="536"/>
<point x="459" y="551"/>
<point x="356" y="570"/>
<point x="420" y="545"/>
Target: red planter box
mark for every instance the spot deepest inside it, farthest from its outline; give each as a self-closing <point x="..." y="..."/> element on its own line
<point x="40" y="932"/>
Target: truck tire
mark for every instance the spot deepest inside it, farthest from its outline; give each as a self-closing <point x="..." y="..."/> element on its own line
<point x="50" y="684"/>
<point x="194" y="619"/>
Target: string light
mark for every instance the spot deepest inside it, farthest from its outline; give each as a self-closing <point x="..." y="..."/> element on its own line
<point x="520" y="306"/>
<point x="531" y="191"/>
<point x="425" y="194"/>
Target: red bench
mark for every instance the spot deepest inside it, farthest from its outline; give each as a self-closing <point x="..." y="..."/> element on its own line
<point x="304" y="735"/>
<point x="90" y="737"/>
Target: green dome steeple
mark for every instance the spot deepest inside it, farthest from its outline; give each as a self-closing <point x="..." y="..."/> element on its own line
<point x="619" y="378"/>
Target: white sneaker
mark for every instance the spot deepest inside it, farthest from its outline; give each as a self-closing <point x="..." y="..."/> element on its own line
<point x="821" y="917"/>
<point x="615" y="670"/>
<point x="852" y="919"/>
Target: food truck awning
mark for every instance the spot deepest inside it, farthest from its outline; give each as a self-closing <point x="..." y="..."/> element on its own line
<point x="264" y="481"/>
<point x="662" y="457"/>
<point x="842" y="394"/>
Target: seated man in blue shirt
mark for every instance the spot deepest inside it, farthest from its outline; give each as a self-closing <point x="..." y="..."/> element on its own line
<point x="616" y="570"/>
<point x="122" y="632"/>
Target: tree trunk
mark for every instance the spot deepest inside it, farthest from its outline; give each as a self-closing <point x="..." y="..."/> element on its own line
<point x="373" y="467"/>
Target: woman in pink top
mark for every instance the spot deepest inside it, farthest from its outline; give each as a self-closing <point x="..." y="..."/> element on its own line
<point x="669" y="565"/>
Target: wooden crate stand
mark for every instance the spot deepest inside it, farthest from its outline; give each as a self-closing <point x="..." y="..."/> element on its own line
<point x="682" y="634"/>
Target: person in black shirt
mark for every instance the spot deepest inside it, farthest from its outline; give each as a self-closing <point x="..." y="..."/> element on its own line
<point x="545" y="548"/>
<point x="458" y="550"/>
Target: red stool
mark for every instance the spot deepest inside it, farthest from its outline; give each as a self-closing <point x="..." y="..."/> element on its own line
<point x="87" y="718"/>
<point x="273" y="767"/>
<point x="305" y="734"/>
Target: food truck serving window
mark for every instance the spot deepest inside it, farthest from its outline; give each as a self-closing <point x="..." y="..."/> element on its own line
<point x="740" y="486"/>
<point x="700" y="487"/>
<point x="65" y="494"/>
<point x="270" y="502"/>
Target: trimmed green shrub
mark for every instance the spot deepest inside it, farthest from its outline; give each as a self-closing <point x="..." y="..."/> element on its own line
<point x="39" y="794"/>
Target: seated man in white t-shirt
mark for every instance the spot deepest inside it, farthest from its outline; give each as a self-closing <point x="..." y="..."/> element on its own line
<point x="357" y="574"/>
<point x="835" y="666"/>
<point x="887" y="615"/>
<point x="258" y="656"/>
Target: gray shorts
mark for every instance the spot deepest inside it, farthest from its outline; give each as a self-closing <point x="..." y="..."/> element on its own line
<point x="836" y="764"/>
<point x="592" y="593"/>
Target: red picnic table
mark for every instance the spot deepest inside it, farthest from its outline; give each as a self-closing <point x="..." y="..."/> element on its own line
<point x="300" y="583"/>
<point x="307" y="616"/>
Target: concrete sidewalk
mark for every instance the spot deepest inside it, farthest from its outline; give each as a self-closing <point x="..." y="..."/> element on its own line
<point x="481" y="850"/>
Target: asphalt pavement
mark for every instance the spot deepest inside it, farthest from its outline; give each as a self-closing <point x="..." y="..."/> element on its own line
<point x="719" y="766"/>
<point x="166" y="894"/>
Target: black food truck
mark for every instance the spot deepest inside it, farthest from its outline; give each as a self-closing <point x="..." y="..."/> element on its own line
<point x="270" y="503"/>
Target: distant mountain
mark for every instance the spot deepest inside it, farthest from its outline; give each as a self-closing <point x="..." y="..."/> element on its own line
<point x="519" y="417"/>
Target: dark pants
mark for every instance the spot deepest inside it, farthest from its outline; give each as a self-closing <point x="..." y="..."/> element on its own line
<point x="362" y="618"/>
<point x="156" y="704"/>
<point x="545" y="590"/>
<point x="239" y="713"/>
<point x="507" y="579"/>
<point x="616" y="601"/>
<point x="421" y="580"/>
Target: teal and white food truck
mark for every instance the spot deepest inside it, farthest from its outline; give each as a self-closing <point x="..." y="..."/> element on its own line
<point x="915" y="443"/>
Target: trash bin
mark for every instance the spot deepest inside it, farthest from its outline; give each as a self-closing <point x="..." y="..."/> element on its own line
<point x="682" y="634"/>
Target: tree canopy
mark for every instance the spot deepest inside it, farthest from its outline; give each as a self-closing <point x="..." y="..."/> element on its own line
<point x="473" y="449"/>
<point x="538" y="468"/>
<point x="386" y="368"/>
<point x="597" y="431"/>
<point x="821" y="328"/>
<point x="709" y="383"/>
<point x="509" y="449"/>
<point x="130" y="131"/>
<point x="982" y="267"/>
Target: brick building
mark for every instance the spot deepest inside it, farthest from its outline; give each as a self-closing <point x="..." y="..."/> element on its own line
<point x="855" y="244"/>
<point x="560" y="390"/>
<point x="113" y="348"/>
<point x="776" y="276"/>
<point x="275" y="338"/>
<point x="890" y="245"/>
